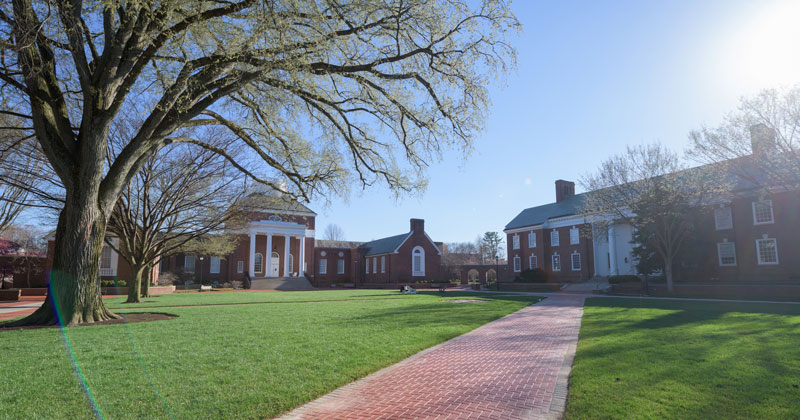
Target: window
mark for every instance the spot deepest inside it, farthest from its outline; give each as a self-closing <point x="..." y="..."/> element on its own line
<point x="383" y="263"/>
<point x="554" y="238"/>
<point x="723" y="218"/>
<point x="418" y="261"/>
<point x="366" y="265"/>
<point x="767" y="250"/>
<point x="323" y="266"/>
<point x="726" y="253"/>
<point x="517" y="264"/>
<point x="762" y="212"/>
<point x="576" y="261"/>
<point x="556" y="262"/>
<point x="188" y="263"/>
<point x="105" y="257"/>
<point x="516" y="241"/>
<point x="258" y="263"/>
<point x="532" y="240"/>
<point x="532" y="263"/>
<point x="340" y="267"/>
<point x="375" y="265"/>
<point x="240" y="266"/>
<point x="574" y="236"/>
<point x="214" y="265"/>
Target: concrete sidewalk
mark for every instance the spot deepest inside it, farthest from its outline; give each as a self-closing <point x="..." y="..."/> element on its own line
<point x="514" y="368"/>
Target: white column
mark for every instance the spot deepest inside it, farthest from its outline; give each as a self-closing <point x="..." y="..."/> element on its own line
<point x="302" y="259"/>
<point x="268" y="256"/>
<point x="612" y="250"/>
<point x="286" y="268"/>
<point x="252" y="265"/>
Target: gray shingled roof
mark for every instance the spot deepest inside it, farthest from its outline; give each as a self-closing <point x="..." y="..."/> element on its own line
<point x="384" y="245"/>
<point x="537" y="215"/>
<point x="324" y="243"/>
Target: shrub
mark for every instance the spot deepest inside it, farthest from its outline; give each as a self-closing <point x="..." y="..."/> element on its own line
<point x="237" y="284"/>
<point x="112" y="283"/>
<point x="537" y="275"/>
<point x="167" y="279"/>
<point x="627" y="278"/>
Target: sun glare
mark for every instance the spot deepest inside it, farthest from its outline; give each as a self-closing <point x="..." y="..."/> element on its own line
<point x="765" y="51"/>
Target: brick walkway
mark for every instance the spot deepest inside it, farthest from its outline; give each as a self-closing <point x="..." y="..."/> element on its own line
<point x="513" y="368"/>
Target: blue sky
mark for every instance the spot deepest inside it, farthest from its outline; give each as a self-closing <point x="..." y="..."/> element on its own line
<point x="592" y="77"/>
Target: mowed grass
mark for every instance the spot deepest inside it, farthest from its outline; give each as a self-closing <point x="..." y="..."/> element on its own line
<point x="223" y="362"/>
<point x="645" y="359"/>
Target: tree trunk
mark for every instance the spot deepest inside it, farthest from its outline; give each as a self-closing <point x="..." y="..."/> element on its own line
<point x="74" y="291"/>
<point x="668" y="274"/>
<point x="147" y="278"/>
<point x="135" y="285"/>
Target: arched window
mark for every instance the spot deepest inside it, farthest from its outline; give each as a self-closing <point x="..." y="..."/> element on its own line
<point x="418" y="261"/>
<point x="258" y="263"/>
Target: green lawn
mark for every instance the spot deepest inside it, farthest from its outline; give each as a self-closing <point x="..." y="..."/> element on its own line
<point x="232" y="361"/>
<point x="640" y="359"/>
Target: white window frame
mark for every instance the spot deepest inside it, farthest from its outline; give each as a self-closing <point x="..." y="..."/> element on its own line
<point x="555" y="240"/>
<point x="366" y="265"/>
<point x="211" y="264"/>
<point x="258" y="262"/>
<point x="556" y="267"/>
<point x="383" y="263"/>
<point x="533" y="262"/>
<point x="515" y="241"/>
<point x="771" y="213"/>
<point x="240" y="267"/>
<point x="420" y="269"/>
<point x="189" y="258"/>
<point x="719" y="253"/>
<point x="323" y="266"/>
<point x="718" y="221"/>
<point x="574" y="236"/>
<point x="532" y="239"/>
<point x="572" y="261"/>
<point x="758" y="251"/>
<point x="340" y="266"/>
<point x="375" y="265"/>
<point x="517" y="264"/>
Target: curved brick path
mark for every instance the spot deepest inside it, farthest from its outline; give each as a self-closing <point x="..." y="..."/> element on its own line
<point x="513" y="368"/>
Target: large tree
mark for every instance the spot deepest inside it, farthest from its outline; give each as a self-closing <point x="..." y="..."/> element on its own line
<point x="334" y="232"/>
<point x="761" y="139"/>
<point x="180" y="194"/>
<point x="649" y="188"/>
<point x="491" y="245"/>
<point x="322" y="93"/>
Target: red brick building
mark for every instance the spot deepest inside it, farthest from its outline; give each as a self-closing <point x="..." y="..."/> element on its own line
<point x="749" y="236"/>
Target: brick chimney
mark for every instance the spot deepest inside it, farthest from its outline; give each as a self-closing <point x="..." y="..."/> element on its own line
<point x="418" y="225"/>
<point x="762" y="139"/>
<point x="564" y="189"/>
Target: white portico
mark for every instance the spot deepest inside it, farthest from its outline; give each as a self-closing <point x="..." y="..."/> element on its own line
<point x="277" y="248"/>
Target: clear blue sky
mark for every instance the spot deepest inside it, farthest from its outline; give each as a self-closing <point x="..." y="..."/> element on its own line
<point x="591" y="79"/>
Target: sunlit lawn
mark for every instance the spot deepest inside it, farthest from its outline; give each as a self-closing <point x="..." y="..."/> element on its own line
<point x="232" y="361"/>
<point x="640" y="359"/>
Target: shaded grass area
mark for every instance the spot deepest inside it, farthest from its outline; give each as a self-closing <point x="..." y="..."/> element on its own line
<point x="241" y="361"/>
<point x="643" y="359"/>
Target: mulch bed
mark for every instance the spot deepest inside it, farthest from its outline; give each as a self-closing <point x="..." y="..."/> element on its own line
<point x="127" y="318"/>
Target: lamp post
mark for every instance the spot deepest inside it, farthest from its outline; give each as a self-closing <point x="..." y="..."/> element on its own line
<point x="497" y="271"/>
<point x="201" y="270"/>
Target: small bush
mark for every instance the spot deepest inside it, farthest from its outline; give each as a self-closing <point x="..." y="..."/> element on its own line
<point x="627" y="278"/>
<point x="112" y="283"/>
<point x="167" y="279"/>
<point x="537" y="275"/>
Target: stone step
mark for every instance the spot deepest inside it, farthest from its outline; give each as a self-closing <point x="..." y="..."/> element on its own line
<point x="280" y="283"/>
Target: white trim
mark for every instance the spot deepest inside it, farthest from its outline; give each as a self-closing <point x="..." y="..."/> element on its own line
<point x="383" y="263"/>
<point x="517" y="261"/>
<point x="572" y="261"/>
<point x="557" y="242"/>
<point x="531" y="235"/>
<point x="515" y="241"/>
<point x="323" y="266"/>
<point x="758" y="251"/>
<point x="375" y="265"/>
<point x="553" y="261"/>
<point x="258" y="254"/>
<point x="577" y="236"/>
<point x="239" y="267"/>
<point x="421" y="271"/>
<point x="533" y="262"/>
<point x="771" y="213"/>
<point x="438" y="251"/>
<point x="719" y="254"/>
<point x="524" y="229"/>
<point x="340" y="266"/>
<point x="211" y="265"/>
<point x="717" y="224"/>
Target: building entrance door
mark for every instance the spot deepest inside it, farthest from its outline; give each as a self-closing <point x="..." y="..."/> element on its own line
<point x="275" y="262"/>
